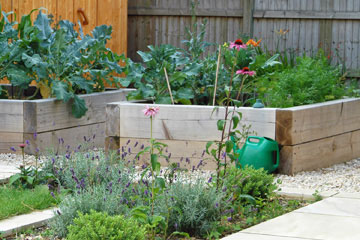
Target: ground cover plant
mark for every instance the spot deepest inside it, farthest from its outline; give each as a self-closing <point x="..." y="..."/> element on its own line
<point x="16" y="201"/>
<point x="62" y="61"/>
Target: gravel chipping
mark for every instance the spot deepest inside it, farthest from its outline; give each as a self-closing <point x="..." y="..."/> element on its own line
<point x="12" y="159"/>
<point x="344" y="177"/>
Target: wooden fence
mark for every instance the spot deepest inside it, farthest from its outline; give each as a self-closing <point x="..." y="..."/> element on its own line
<point x="96" y="12"/>
<point x="300" y="25"/>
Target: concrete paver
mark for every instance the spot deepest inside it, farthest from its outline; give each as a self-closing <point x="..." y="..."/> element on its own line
<point x="22" y="222"/>
<point x="345" y="207"/>
<point x="6" y="172"/>
<point x="251" y="236"/>
<point x="334" y="218"/>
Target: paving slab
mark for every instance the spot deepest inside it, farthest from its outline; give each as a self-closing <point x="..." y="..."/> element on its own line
<point x="347" y="195"/>
<point x="346" y="207"/>
<point x="19" y="223"/>
<point x="6" y="172"/>
<point x="311" y="226"/>
<point x="252" y="236"/>
<point x="304" y="194"/>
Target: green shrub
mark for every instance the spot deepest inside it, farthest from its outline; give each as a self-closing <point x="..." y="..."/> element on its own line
<point x="312" y="80"/>
<point x="194" y="207"/>
<point x="98" y="226"/>
<point x="254" y="182"/>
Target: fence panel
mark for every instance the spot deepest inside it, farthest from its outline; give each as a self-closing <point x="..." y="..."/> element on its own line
<point x="302" y="26"/>
<point x="164" y="22"/>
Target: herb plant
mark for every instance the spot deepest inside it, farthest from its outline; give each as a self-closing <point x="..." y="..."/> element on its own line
<point x="312" y="80"/>
<point x="98" y="226"/>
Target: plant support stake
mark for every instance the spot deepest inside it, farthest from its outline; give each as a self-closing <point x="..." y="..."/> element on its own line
<point x="168" y="84"/>
<point x="217" y="74"/>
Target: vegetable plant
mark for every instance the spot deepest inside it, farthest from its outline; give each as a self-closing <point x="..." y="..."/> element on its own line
<point x="62" y="61"/>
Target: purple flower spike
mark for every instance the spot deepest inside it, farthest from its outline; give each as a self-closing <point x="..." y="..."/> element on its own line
<point x="27" y="142"/>
<point x="127" y="143"/>
<point x="216" y="205"/>
<point x="136" y="144"/>
<point x="229" y="219"/>
<point x="52" y="194"/>
<point x="85" y="139"/>
<point x="210" y="179"/>
<point x="12" y="149"/>
<point x="35" y="135"/>
<point x="142" y="147"/>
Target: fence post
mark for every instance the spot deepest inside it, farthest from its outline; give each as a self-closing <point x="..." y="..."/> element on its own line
<point x="248" y="19"/>
<point x="326" y="28"/>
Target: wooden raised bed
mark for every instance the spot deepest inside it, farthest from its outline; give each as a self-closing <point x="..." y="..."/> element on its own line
<point x="46" y="121"/>
<point x="186" y="129"/>
<point x="311" y="136"/>
<point x="318" y="135"/>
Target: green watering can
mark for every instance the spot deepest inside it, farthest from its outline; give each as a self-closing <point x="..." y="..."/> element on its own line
<point x="259" y="152"/>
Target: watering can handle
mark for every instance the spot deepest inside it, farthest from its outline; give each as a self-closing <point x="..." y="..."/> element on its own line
<point x="254" y="137"/>
<point x="276" y="165"/>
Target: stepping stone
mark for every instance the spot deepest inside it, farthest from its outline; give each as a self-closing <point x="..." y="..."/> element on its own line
<point x="19" y="223"/>
<point x="6" y="172"/>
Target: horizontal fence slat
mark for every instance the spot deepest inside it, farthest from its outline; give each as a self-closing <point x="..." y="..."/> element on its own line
<point x="307" y="15"/>
<point x="185" y="12"/>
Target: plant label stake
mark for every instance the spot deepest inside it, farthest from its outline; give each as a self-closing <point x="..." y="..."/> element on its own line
<point x="168" y="84"/>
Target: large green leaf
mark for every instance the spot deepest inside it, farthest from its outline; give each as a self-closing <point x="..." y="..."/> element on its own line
<point x="18" y="77"/>
<point x="102" y="32"/>
<point x="71" y="34"/>
<point x="31" y="61"/>
<point x="185" y="93"/>
<point x="155" y="163"/>
<point x="78" y="107"/>
<point x="83" y="83"/>
<point x="60" y="42"/>
<point x="43" y="24"/>
<point x="60" y="90"/>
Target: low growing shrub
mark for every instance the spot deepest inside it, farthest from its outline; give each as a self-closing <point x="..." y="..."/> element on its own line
<point x="98" y="226"/>
<point x="193" y="207"/>
<point x="249" y="181"/>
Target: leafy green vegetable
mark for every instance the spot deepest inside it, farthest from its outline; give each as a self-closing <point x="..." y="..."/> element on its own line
<point x="62" y="63"/>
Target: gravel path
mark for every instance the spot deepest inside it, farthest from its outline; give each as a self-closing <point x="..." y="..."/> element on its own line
<point x="344" y="177"/>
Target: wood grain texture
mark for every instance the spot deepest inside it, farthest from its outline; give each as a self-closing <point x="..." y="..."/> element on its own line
<point x="194" y="123"/>
<point x="49" y="114"/>
<point x="187" y="153"/>
<point x="320" y="153"/>
<point x="73" y="137"/>
<point x="9" y="139"/>
<point x="329" y="24"/>
<point x="11" y="115"/>
<point x="316" y="121"/>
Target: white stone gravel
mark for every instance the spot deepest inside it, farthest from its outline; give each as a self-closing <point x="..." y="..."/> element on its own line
<point x="15" y="159"/>
<point x="344" y="177"/>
